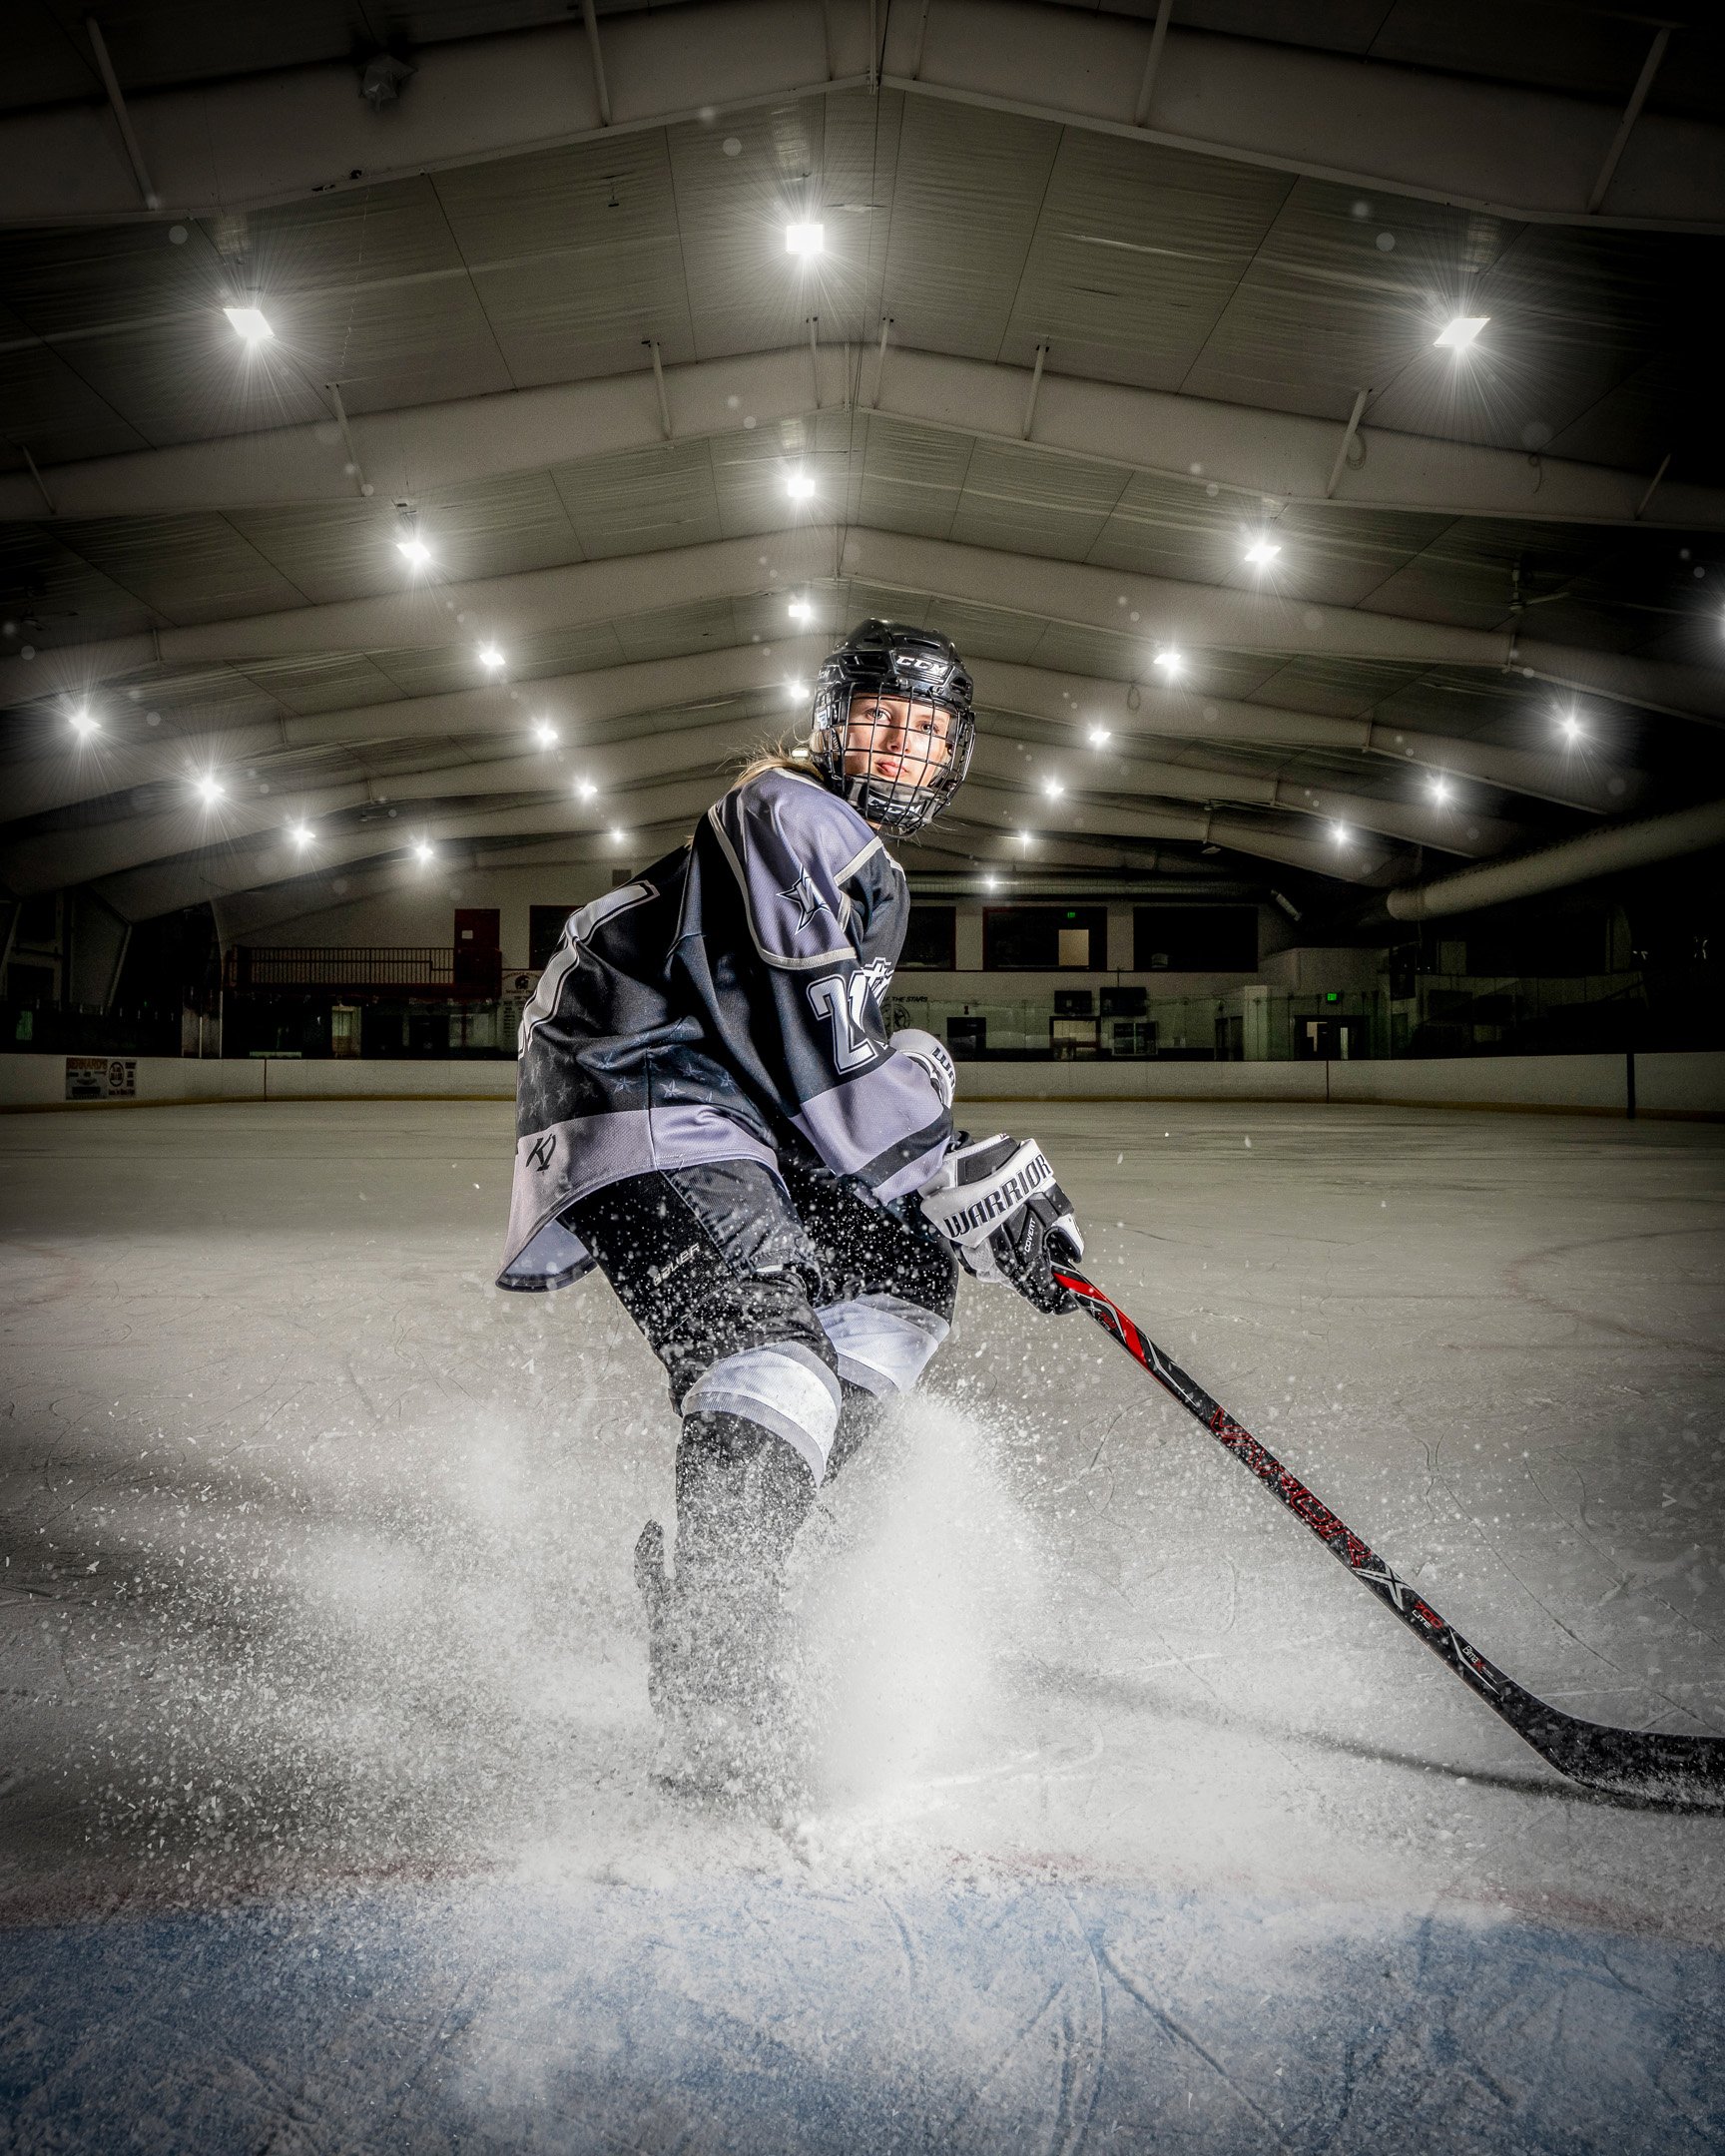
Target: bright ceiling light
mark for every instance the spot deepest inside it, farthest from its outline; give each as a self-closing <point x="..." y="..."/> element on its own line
<point x="1459" y="333"/>
<point x="1100" y="737"/>
<point x="1571" y="727"/>
<point x="800" y="486"/>
<point x="1439" y="789"/>
<point x="544" y="732"/>
<point x="82" y="723"/>
<point x="585" y="790"/>
<point x="800" y="610"/>
<point x="798" y="690"/>
<point x="1026" y="837"/>
<point x="617" y="838"/>
<point x="416" y="550"/>
<point x="1341" y="833"/>
<point x="300" y="833"/>
<point x="210" y="788"/>
<point x="250" y="322"/>
<point x="1171" y="662"/>
<point x="805" y="238"/>
<point x="1053" y="789"/>
<point x="1262" y="551"/>
<point x="990" y="882"/>
<point x="490" y="658"/>
<point x="422" y="850"/>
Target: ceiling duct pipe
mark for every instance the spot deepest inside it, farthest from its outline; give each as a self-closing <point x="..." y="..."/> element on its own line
<point x="1575" y="860"/>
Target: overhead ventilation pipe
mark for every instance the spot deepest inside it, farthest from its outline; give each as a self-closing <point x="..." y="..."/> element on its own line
<point x="1575" y="860"/>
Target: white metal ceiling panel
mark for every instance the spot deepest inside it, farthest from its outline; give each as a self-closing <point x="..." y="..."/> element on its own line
<point x="1345" y="294"/>
<point x="339" y="681"/>
<point x="187" y="568"/>
<point x="1137" y="251"/>
<point x="912" y="477"/>
<point x="576" y="254"/>
<point x="968" y="189"/>
<point x="1024" y="501"/>
<point x="642" y="501"/>
<point x="746" y="294"/>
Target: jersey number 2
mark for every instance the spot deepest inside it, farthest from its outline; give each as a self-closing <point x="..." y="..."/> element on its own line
<point x="845" y="1005"/>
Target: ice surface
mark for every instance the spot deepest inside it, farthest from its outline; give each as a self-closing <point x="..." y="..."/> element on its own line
<point x="326" y="1816"/>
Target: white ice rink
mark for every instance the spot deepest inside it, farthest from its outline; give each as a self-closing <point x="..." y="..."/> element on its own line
<point x="327" y="1817"/>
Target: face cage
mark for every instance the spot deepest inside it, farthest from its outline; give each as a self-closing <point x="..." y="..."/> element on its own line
<point x="896" y="804"/>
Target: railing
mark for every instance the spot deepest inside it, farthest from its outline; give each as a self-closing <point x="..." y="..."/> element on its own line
<point x="364" y="969"/>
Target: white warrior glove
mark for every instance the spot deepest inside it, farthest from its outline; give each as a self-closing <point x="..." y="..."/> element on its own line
<point x="997" y="1202"/>
<point x="924" y="1049"/>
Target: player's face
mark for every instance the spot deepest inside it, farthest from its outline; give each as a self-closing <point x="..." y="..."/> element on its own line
<point x="900" y="740"/>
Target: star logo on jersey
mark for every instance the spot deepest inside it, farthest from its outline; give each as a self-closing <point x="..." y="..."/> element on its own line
<point x="807" y="900"/>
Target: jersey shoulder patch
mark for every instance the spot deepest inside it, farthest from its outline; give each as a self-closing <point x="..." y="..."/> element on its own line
<point x="793" y="846"/>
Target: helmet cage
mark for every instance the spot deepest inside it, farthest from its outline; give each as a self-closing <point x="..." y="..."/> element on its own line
<point x="925" y="670"/>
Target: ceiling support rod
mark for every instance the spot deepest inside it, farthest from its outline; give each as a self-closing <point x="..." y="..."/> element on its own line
<point x="652" y="345"/>
<point x="1036" y="385"/>
<point x="354" y="465"/>
<point x="111" y="83"/>
<point x="815" y="357"/>
<point x="881" y="362"/>
<point x="602" y="92"/>
<point x="1147" y="88"/>
<point x="42" y="490"/>
<point x="921" y="33"/>
<point x="1632" y="113"/>
<point x="1349" y="433"/>
<point x="1652" y="486"/>
<point x="874" y="44"/>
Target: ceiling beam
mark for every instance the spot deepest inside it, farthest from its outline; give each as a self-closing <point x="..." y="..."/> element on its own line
<point x="257" y="140"/>
<point x="1086" y="783"/>
<point x="1580" y="774"/>
<point x="1611" y="851"/>
<point x="432" y="617"/>
<point x="415" y="452"/>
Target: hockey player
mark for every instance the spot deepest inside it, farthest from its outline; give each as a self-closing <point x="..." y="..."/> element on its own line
<point x="710" y="1111"/>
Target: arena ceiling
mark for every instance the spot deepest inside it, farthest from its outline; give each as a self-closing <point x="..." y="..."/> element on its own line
<point x="1119" y="363"/>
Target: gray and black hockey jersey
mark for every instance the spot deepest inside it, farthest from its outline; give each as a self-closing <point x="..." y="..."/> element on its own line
<point x="728" y="1004"/>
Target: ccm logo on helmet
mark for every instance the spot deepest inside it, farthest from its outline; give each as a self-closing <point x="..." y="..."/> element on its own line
<point x="1005" y="1199"/>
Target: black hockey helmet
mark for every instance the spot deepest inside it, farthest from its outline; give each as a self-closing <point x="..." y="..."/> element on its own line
<point x="887" y="658"/>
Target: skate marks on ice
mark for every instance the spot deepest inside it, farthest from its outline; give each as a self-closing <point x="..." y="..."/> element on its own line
<point x="752" y="2015"/>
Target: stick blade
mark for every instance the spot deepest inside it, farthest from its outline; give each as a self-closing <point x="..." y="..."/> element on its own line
<point x="1645" y="1765"/>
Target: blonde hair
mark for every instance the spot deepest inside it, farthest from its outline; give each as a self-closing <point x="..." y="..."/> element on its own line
<point x="777" y="756"/>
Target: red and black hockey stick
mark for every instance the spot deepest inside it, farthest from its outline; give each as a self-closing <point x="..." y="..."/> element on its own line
<point x="1642" y="1764"/>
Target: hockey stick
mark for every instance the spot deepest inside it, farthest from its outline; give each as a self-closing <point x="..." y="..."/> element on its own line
<point x="1639" y="1763"/>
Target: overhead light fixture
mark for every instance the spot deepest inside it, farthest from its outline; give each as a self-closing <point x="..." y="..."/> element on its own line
<point x="1457" y="335"/>
<point x="1171" y="661"/>
<point x="210" y="788"/>
<point x="1439" y="789"/>
<point x="1027" y="837"/>
<point x="422" y="850"/>
<point x="544" y="732"/>
<point x="300" y="833"/>
<point x="990" y="882"/>
<point x="1571" y="727"/>
<point x="1341" y="833"/>
<point x="414" y="549"/>
<point x="1262" y="551"/>
<point x="250" y="322"/>
<point x="800" y="486"/>
<point x="617" y="838"/>
<point x="805" y="238"/>
<point x="1053" y="789"/>
<point x="797" y="689"/>
<point x="82" y="723"/>
<point x="490" y="658"/>
<point x="800" y="610"/>
<point x="585" y="790"/>
<point x="1100" y="737"/>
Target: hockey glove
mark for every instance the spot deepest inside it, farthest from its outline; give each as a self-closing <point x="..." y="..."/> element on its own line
<point x="924" y="1049"/>
<point x="997" y="1202"/>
